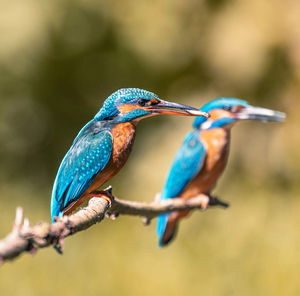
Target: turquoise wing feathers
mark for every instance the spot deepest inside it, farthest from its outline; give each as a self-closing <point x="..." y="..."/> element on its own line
<point x="187" y="164"/>
<point x="89" y="154"/>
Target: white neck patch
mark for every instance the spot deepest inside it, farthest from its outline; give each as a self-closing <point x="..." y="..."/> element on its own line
<point x="206" y="124"/>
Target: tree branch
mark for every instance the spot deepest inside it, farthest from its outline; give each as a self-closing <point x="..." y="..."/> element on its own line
<point x="27" y="238"/>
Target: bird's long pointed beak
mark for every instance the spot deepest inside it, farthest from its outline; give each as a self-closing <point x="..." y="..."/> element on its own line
<point x="165" y="107"/>
<point x="262" y="114"/>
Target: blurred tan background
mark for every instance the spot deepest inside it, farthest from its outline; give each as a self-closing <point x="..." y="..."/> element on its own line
<point x="60" y="59"/>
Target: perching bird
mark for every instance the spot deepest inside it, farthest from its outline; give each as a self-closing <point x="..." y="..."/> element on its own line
<point x="203" y="155"/>
<point x="103" y="146"/>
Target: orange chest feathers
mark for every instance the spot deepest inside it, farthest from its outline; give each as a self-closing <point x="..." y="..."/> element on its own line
<point x="216" y="142"/>
<point x="123" y="139"/>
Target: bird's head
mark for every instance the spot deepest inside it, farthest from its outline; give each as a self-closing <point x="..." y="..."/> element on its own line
<point x="226" y="111"/>
<point x="131" y="104"/>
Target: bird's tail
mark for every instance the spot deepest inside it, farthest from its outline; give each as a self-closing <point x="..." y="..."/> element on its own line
<point x="166" y="228"/>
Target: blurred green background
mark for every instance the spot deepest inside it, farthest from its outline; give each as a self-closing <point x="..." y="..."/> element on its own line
<point x="60" y="59"/>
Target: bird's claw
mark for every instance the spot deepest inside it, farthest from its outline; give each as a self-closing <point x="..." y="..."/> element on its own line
<point x="56" y="219"/>
<point x="204" y="203"/>
<point x="105" y="194"/>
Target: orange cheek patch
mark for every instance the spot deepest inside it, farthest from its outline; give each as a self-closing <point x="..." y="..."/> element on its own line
<point x="125" y="108"/>
<point x="154" y="101"/>
<point x="219" y="113"/>
<point x="237" y="108"/>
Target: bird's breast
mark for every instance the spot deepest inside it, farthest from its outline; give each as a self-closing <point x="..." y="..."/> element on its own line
<point x="123" y="139"/>
<point x="216" y="142"/>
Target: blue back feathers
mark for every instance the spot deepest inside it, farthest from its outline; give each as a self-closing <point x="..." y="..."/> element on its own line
<point x="89" y="154"/>
<point x="219" y="103"/>
<point x="186" y="165"/>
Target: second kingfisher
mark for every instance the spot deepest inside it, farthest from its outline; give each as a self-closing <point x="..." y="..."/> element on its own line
<point x="203" y="155"/>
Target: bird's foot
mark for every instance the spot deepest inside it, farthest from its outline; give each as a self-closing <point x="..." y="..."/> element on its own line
<point x="105" y="194"/>
<point x="204" y="202"/>
<point x="56" y="219"/>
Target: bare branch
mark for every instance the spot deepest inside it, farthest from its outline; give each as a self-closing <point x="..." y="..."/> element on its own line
<point x="27" y="238"/>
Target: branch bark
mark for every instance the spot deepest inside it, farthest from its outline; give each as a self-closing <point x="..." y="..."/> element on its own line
<point x="27" y="238"/>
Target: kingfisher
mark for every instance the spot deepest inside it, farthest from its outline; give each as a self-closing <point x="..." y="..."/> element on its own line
<point x="203" y="155"/>
<point x="104" y="144"/>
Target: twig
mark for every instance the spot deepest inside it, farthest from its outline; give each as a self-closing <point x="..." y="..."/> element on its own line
<point x="26" y="238"/>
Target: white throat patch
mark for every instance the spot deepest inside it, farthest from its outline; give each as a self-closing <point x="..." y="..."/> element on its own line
<point x="206" y="125"/>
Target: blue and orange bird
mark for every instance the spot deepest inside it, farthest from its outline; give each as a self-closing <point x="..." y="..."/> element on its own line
<point x="103" y="146"/>
<point x="203" y="154"/>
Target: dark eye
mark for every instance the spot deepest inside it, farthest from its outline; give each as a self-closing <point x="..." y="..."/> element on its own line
<point x="142" y="102"/>
<point x="227" y="108"/>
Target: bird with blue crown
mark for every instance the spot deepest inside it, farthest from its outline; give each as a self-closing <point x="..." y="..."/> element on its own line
<point x="103" y="146"/>
<point x="203" y="155"/>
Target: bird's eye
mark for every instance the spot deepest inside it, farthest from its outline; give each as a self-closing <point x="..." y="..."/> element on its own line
<point x="227" y="108"/>
<point x="142" y="102"/>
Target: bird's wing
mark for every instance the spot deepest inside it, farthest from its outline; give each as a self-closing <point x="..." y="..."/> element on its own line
<point x="87" y="157"/>
<point x="187" y="164"/>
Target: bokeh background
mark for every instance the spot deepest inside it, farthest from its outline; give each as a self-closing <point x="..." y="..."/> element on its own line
<point x="60" y="59"/>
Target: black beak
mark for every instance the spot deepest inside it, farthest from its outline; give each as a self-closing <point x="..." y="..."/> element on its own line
<point x="262" y="114"/>
<point x="165" y="107"/>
